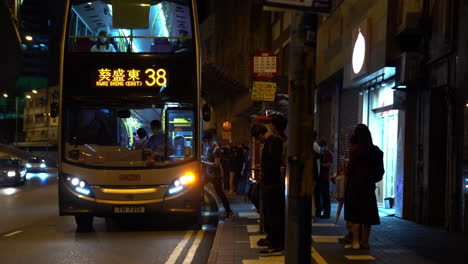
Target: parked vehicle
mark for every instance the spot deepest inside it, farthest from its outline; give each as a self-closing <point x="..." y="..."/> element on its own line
<point x="12" y="171"/>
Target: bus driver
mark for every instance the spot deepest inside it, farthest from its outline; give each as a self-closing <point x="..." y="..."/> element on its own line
<point x="157" y="141"/>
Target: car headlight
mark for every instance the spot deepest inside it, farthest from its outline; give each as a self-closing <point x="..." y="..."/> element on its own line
<point x="11" y="173"/>
<point x="181" y="183"/>
<point x="28" y="165"/>
<point x="80" y="186"/>
<point x="43" y="165"/>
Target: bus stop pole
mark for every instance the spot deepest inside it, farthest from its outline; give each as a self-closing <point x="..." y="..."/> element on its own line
<point x="300" y="152"/>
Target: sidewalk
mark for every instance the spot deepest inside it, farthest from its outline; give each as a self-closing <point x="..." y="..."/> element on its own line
<point x="393" y="241"/>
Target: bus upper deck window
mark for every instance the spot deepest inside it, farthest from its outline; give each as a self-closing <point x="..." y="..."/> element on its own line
<point x="103" y="43"/>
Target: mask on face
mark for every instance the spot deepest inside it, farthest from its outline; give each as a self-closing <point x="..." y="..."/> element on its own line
<point x="103" y="40"/>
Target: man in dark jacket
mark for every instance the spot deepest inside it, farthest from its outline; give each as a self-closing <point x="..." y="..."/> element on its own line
<point x="272" y="186"/>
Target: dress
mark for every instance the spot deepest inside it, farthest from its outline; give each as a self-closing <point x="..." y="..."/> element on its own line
<point x="360" y="202"/>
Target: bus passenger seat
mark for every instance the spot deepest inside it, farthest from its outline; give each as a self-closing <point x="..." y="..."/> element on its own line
<point x="161" y="45"/>
<point x="82" y="45"/>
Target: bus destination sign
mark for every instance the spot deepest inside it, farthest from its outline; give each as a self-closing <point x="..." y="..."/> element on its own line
<point x="131" y="77"/>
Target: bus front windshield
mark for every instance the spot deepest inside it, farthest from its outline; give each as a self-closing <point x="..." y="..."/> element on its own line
<point x="130" y="26"/>
<point x="123" y="136"/>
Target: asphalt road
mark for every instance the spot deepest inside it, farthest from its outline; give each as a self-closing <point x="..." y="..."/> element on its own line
<point x="32" y="232"/>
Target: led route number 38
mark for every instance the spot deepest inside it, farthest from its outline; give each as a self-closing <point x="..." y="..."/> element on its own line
<point x="131" y="77"/>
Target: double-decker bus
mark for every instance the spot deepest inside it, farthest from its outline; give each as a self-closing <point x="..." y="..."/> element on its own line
<point x="129" y="110"/>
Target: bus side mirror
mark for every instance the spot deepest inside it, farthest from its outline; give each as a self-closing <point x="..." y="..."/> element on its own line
<point x="54" y="110"/>
<point x="206" y="112"/>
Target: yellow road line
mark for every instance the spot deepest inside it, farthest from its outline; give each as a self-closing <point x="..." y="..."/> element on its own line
<point x="13" y="233"/>
<point x="317" y="257"/>
<point x="176" y="253"/>
<point x="194" y="247"/>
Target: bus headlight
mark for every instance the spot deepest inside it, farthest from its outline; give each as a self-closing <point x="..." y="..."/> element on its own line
<point x="80" y="186"/>
<point x="28" y="165"/>
<point x="43" y="165"/>
<point x="181" y="183"/>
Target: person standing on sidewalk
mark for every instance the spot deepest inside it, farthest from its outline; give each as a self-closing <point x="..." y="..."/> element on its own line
<point x="212" y="162"/>
<point x="365" y="167"/>
<point x="272" y="186"/>
<point x="322" y="189"/>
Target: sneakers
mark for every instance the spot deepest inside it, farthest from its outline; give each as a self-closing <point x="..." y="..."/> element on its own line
<point x="264" y="242"/>
<point x="267" y="252"/>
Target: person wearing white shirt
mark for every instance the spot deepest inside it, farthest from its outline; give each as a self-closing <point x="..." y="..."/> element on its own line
<point x="103" y="44"/>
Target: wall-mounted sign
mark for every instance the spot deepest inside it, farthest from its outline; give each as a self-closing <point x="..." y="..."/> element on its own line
<point x="314" y="6"/>
<point x="359" y="53"/>
<point x="130" y="77"/>
<point x="265" y="65"/>
<point x="361" y="49"/>
<point x="264" y="91"/>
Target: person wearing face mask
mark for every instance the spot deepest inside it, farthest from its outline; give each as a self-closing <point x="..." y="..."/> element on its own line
<point x="103" y="44"/>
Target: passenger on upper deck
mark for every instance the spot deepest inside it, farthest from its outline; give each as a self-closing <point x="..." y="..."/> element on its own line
<point x="103" y="44"/>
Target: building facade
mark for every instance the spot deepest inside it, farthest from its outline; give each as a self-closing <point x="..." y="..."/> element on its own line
<point x="39" y="127"/>
<point x="231" y="33"/>
<point x="396" y="66"/>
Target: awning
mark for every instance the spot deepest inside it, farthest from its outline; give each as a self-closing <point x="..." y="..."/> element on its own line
<point x="218" y="85"/>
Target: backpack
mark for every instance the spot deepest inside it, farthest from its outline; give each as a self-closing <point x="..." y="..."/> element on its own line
<point x="379" y="170"/>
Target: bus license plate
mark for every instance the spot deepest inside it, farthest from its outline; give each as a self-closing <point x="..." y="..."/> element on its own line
<point x="129" y="210"/>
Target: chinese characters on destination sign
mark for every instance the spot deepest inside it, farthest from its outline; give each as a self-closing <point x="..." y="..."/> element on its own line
<point x="119" y="77"/>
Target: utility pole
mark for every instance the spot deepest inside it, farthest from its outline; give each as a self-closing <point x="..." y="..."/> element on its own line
<point x="301" y="166"/>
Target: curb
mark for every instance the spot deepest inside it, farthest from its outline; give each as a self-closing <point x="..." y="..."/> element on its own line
<point x="216" y="244"/>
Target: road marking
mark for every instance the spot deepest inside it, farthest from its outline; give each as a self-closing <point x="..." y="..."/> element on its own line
<point x="253" y="228"/>
<point x="194" y="247"/>
<point x="176" y="253"/>
<point x="13" y="233"/>
<point x="359" y="257"/>
<point x="265" y="260"/>
<point x="249" y="215"/>
<point x="317" y="257"/>
<point x="322" y="224"/>
<point x="254" y="239"/>
<point x="326" y="239"/>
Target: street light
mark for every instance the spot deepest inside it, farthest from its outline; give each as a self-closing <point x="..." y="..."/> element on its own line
<point x="5" y="95"/>
<point x="29" y="38"/>
<point x="28" y="96"/>
<point x="34" y="91"/>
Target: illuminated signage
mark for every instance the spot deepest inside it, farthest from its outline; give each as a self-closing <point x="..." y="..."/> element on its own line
<point x="120" y="77"/>
<point x="359" y="53"/>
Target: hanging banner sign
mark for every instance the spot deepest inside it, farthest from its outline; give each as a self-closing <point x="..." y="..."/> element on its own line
<point x="313" y="6"/>
<point x="265" y="65"/>
<point x="264" y="91"/>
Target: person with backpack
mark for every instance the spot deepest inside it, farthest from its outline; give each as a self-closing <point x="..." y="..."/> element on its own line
<point x="364" y="170"/>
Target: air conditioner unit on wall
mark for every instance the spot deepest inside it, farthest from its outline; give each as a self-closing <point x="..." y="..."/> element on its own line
<point x="408" y="68"/>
